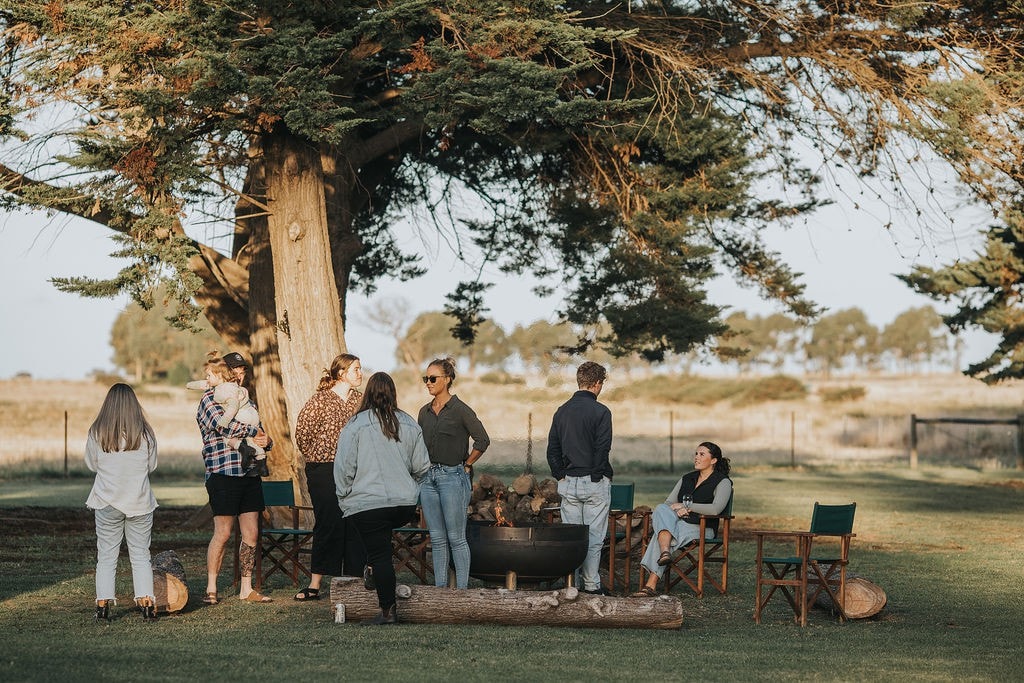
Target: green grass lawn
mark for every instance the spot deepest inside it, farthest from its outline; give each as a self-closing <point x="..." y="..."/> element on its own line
<point x="944" y="544"/>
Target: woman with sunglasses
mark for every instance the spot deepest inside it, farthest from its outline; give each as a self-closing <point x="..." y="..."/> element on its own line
<point x="448" y="425"/>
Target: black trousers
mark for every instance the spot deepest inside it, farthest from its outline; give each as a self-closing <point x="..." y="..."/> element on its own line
<point x="375" y="527"/>
<point x="337" y="549"/>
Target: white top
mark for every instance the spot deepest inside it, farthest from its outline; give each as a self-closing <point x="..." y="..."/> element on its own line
<point x="122" y="478"/>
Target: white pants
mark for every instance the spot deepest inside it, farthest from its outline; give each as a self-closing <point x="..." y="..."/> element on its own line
<point x="111" y="527"/>
<point x="587" y="502"/>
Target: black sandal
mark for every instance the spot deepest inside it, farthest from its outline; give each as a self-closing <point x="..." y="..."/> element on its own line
<point x="308" y="594"/>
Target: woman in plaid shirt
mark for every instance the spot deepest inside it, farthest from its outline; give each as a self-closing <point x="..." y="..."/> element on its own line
<point x="233" y="495"/>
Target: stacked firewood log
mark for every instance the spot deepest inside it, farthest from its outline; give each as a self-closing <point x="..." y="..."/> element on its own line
<point x="525" y="501"/>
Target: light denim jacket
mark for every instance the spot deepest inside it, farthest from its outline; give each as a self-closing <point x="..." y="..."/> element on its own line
<point x="371" y="471"/>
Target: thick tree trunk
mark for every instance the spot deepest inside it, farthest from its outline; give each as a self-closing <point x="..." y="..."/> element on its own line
<point x="308" y="311"/>
<point x="273" y="408"/>
<point x="565" y="607"/>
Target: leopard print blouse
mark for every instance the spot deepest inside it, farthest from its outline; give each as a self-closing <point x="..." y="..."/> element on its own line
<point x="320" y="422"/>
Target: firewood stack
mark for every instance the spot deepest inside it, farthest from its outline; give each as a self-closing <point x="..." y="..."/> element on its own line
<point x="526" y="501"/>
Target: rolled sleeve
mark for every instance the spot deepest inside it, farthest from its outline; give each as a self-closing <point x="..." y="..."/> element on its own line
<point x="476" y="429"/>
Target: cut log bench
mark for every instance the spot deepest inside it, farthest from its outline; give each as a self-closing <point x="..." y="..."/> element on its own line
<point x="565" y="607"/>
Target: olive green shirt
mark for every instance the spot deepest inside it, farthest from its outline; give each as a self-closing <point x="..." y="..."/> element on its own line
<point x="447" y="433"/>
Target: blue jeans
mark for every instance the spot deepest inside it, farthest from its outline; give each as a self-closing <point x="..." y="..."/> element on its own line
<point x="444" y="497"/>
<point x="587" y="502"/>
<point x="112" y="526"/>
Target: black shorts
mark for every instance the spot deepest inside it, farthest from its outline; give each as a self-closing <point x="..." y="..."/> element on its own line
<point x="234" y="495"/>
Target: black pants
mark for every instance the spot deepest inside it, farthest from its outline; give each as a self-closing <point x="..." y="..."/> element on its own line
<point x="337" y="549"/>
<point x="375" y="527"/>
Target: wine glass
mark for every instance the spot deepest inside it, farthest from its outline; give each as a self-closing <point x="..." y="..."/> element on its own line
<point x="687" y="501"/>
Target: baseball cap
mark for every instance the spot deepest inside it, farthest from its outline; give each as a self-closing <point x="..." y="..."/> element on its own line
<point x="235" y="360"/>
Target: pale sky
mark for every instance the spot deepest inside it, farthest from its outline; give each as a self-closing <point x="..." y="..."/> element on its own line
<point x="847" y="257"/>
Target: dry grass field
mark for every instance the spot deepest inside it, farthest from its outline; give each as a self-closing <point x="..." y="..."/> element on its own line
<point x="810" y="431"/>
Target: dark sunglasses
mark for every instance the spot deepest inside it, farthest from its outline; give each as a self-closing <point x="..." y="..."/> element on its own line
<point x="430" y="379"/>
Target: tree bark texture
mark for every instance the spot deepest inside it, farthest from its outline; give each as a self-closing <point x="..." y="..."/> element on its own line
<point x="307" y="305"/>
<point x="565" y="607"/>
<point x="266" y="360"/>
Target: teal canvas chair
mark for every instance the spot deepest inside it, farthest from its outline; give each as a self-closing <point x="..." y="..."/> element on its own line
<point x="695" y="564"/>
<point x="621" y="510"/>
<point x="812" y="568"/>
<point x="281" y="549"/>
<point x="410" y="549"/>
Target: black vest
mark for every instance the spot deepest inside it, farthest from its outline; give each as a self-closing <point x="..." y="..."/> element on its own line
<point x="705" y="493"/>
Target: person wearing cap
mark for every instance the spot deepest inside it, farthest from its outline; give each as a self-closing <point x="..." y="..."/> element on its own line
<point x="233" y="495"/>
<point x="242" y="371"/>
<point x="228" y="393"/>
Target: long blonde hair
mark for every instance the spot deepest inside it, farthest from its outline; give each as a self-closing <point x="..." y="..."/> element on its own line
<point x="121" y="424"/>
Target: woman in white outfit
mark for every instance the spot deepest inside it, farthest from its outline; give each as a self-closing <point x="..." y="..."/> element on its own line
<point x="121" y="450"/>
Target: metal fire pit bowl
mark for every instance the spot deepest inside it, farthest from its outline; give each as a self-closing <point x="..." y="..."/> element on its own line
<point x="529" y="553"/>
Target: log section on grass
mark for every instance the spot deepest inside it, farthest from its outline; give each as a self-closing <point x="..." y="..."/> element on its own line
<point x="863" y="598"/>
<point x="169" y="582"/>
<point x="565" y="607"/>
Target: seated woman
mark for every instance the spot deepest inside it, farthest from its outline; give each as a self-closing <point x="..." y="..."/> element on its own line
<point x="704" y="491"/>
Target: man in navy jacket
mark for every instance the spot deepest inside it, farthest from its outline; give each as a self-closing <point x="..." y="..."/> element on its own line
<point x="579" y="443"/>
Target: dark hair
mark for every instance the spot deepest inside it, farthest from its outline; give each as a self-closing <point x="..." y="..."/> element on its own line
<point x="448" y="365"/>
<point x="339" y="366"/>
<point x="589" y="374"/>
<point x="236" y="360"/>
<point x="381" y="398"/>
<point x="721" y="462"/>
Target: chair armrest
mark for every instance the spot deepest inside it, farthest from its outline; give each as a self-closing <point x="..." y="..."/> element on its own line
<point x="782" y="534"/>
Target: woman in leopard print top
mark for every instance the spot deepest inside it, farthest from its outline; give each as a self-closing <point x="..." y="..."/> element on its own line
<point x="337" y="548"/>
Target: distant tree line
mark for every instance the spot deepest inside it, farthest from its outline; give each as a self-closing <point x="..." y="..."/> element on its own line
<point x="845" y="340"/>
<point x="148" y="348"/>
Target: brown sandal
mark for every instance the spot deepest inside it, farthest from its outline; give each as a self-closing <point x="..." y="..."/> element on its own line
<point x="665" y="558"/>
<point x="645" y="592"/>
<point x="210" y="599"/>
<point x="256" y="596"/>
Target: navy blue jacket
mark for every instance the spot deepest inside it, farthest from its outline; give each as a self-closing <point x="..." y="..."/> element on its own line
<point x="581" y="438"/>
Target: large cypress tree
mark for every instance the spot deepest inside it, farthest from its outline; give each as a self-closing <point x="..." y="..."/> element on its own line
<point x="617" y="147"/>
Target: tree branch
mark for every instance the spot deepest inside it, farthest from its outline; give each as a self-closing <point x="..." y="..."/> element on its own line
<point x="385" y="141"/>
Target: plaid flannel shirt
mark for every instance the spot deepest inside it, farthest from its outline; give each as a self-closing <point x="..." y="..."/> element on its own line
<point x="218" y="456"/>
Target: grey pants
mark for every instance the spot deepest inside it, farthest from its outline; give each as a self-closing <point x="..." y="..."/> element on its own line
<point x="112" y="526"/>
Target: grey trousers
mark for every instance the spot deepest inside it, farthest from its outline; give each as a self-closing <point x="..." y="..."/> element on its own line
<point x="112" y="526"/>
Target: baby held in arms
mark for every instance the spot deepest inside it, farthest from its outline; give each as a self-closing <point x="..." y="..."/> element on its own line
<point x="237" y="406"/>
